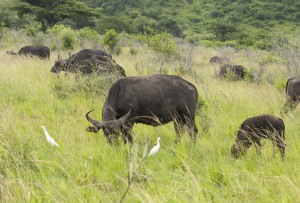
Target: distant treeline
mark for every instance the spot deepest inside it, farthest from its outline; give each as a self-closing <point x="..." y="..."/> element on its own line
<point x="252" y="23"/>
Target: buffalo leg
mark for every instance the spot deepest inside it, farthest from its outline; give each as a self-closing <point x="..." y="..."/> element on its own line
<point x="178" y="125"/>
<point x="281" y="146"/>
<point x="193" y="130"/>
<point x="126" y="131"/>
<point x="258" y="147"/>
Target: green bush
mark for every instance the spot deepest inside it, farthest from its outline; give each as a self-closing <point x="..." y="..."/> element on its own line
<point x="66" y="34"/>
<point x="69" y="39"/>
<point x="161" y="43"/>
<point x="33" y="29"/>
<point x="87" y="33"/>
<point x="110" y="41"/>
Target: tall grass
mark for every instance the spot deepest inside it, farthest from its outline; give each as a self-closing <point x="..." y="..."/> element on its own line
<point x="85" y="168"/>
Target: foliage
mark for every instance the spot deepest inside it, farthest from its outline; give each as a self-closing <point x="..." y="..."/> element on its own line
<point x="66" y="34"/>
<point x="85" y="168"/>
<point x="87" y="34"/>
<point x="49" y="13"/>
<point x="239" y="24"/>
<point x="117" y="23"/>
<point x="110" y="41"/>
<point x="212" y="20"/>
<point x="161" y="43"/>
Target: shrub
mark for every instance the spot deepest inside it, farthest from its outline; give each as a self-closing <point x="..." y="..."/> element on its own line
<point x="66" y="34"/>
<point x="69" y="39"/>
<point x="33" y="29"/>
<point x="110" y="41"/>
<point x="161" y="43"/>
<point x="87" y="34"/>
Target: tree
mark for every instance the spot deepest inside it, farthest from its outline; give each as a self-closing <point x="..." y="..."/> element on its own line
<point x="51" y="12"/>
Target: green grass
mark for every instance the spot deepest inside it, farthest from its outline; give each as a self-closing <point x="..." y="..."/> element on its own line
<point x="85" y="168"/>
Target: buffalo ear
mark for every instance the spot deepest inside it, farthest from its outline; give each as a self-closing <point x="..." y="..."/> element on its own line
<point x="59" y="56"/>
<point x="69" y="53"/>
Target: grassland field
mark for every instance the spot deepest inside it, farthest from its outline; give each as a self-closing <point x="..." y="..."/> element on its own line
<point x="85" y="168"/>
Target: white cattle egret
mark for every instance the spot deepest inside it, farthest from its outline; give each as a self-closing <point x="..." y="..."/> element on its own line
<point x="155" y="149"/>
<point x="49" y="139"/>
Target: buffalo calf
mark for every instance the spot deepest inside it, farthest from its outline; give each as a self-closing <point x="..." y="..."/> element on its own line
<point x="254" y="129"/>
<point x="237" y="71"/>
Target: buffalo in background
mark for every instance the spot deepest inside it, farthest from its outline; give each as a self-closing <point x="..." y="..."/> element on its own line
<point x="235" y="72"/>
<point x="89" y="61"/>
<point x="254" y="129"/>
<point x="219" y="59"/>
<point x="292" y="90"/>
<point x="152" y="100"/>
<point x="42" y="52"/>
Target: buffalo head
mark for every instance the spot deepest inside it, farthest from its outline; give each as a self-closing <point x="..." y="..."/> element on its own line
<point x="109" y="127"/>
<point x="59" y="66"/>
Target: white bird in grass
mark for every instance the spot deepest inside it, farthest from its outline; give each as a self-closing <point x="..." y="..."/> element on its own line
<point x="155" y="149"/>
<point x="49" y="139"/>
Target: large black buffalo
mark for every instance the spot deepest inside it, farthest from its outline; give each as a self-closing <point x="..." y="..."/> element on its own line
<point x="151" y="100"/>
<point x="87" y="63"/>
<point x="292" y="90"/>
<point x="254" y="129"/>
<point x="42" y="52"/>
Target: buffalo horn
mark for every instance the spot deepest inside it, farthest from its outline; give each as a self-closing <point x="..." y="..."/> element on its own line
<point x="118" y="123"/>
<point x="94" y="122"/>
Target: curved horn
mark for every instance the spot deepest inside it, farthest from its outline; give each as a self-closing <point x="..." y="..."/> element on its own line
<point x="94" y="122"/>
<point x="118" y="123"/>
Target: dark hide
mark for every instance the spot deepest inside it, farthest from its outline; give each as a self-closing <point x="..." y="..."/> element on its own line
<point x="256" y="128"/>
<point x="219" y="59"/>
<point x="96" y="52"/>
<point x="155" y="100"/>
<point x="42" y="52"/>
<point x="88" y="63"/>
<point x="292" y="90"/>
<point x="238" y="71"/>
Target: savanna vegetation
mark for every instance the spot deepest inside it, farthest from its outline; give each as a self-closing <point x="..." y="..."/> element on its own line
<point x="244" y="23"/>
<point x="147" y="37"/>
<point x="85" y="168"/>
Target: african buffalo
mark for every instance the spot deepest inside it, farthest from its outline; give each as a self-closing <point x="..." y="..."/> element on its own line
<point x="219" y="59"/>
<point x="254" y="129"/>
<point x="151" y="100"/>
<point x="237" y="71"/>
<point x="292" y="90"/>
<point x="42" y="52"/>
<point x="96" y="52"/>
<point x="88" y="63"/>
